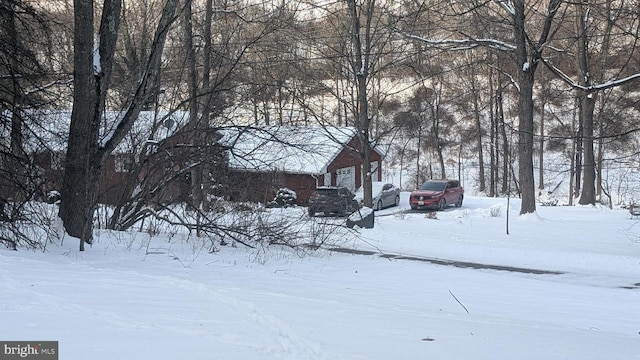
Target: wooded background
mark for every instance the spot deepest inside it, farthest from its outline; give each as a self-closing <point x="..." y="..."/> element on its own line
<point x="434" y="82"/>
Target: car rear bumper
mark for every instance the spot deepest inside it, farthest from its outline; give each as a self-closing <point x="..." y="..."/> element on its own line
<point x="424" y="204"/>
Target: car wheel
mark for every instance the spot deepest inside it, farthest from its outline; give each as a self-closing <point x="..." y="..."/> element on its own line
<point x="378" y="205"/>
<point x="459" y="202"/>
<point x="442" y="204"/>
<point x="397" y="200"/>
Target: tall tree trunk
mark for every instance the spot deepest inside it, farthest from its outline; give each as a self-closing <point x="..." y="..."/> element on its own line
<point x="79" y="189"/>
<point x="526" y="71"/>
<point x="194" y="120"/>
<point x="541" y="149"/>
<point x="92" y="72"/>
<point x="419" y="152"/>
<point x="435" y="129"/>
<point x="504" y="187"/>
<point x="572" y="164"/>
<point x="573" y="158"/>
<point x="612" y="15"/>
<point x="578" y="151"/>
<point x="493" y="138"/>
<point x="8" y="19"/>
<point x="195" y="131"/>
<point x="478" y="123"/>
<point x="85" y="154"/>
<point x="525" y="144"/>
<point x="208" y="105"/>
<point x="361" y="69"/>
<point x="600" y="157"/>
<point x="527" y="65"/>
<point x="14" y="164"/>
<point x="589" y="194"/>
<point x="587" y="107"/>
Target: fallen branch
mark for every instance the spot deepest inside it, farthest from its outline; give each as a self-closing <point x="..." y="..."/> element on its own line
<point x="464" y="307"/>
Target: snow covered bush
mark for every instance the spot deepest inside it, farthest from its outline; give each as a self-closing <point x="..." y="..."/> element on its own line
<point x="284" y="198"/>
<point x="495" y="210"/>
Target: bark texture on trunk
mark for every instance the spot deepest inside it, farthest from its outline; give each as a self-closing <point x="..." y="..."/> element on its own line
<point x="528" y="57"/>
<point x="86" y="154"/>
<point x="526" y="71"/>
<point x="78" y="192"/>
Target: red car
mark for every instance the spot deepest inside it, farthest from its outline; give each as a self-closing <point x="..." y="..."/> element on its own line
<point x="437" y="194"/>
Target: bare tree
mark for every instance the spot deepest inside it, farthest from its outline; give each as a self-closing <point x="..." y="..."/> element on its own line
<point x="422" y="120"/>
<point x="93" y="64"/>
<point x="528" y="57"/>
<point x="525" y="21"/>
<point x="604" y="55"/>
<point x="209" y="64"/>
<point x="479" y="128"/>
<point x="356" y="45"/>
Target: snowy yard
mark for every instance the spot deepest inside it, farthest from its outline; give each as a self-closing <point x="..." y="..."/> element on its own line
<point x="119" y="301"/>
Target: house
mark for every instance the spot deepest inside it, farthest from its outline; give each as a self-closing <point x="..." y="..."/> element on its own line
<point x="262" y="160"/>
<point x="245" y="163"/>
<point x="48" y="146"/>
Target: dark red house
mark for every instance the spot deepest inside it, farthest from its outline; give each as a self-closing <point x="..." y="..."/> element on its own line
<point x="258" y="161"/>
<point x="262" y="160"/>
<point x="117" y="175"/>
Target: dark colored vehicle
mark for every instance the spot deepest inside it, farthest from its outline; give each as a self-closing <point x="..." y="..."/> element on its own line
<point x="437" y="194"/>
<point x="332" y="200"/>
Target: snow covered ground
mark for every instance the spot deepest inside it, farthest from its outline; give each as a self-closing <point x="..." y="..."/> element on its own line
<point x="127" y="299"/>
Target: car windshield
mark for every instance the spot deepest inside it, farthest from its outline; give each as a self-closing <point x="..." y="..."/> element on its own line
<point x="376" y="189"/>
<point x="433" y="186"/>
<point x="327" y="192"/>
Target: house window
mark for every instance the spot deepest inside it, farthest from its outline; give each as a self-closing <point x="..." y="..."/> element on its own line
<point x="344" y="171"/>
<point x="346" y="177"/>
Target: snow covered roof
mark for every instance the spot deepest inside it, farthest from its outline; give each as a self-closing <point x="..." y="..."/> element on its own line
<point x="50" y="128"/>
<point x="297" y="150"/>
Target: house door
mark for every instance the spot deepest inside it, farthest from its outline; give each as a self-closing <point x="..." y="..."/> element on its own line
<point x="346" y="177"/>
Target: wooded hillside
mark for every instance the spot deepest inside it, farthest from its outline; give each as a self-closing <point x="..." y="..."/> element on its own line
<point x="498" y="83"/>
